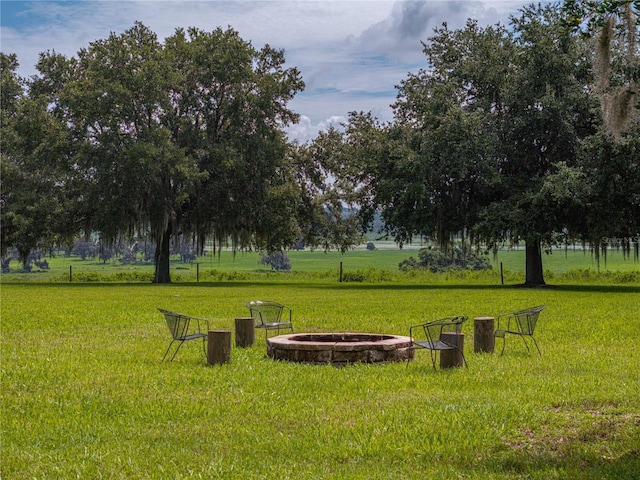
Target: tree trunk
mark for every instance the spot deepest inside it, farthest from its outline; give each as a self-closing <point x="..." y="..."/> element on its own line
<point x="162" y="274"/>
<point x="23" y="255"/>
<point x="533" y="270"/>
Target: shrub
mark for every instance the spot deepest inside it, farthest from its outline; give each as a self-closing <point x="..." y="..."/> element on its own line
<point x="222" y="276"/>
<point x="435" y="260"/>
<point x="586" y="275"/>
<point x="367" y="275"/>
<point x="6" y="261"/>
<point x="86" y="277"/>
<point x="278" y="261"/>
<point x="134" y="276"/>
<point x="85" y="249"/>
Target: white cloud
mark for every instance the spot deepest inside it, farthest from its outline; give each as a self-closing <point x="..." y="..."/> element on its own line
<point x="351" y="54"/>
<point x="305" y="131"/>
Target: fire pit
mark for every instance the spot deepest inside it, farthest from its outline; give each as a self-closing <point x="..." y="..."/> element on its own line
<point x="339" y="348"/>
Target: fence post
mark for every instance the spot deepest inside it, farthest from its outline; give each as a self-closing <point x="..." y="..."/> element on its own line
<point x="70" y="273"/>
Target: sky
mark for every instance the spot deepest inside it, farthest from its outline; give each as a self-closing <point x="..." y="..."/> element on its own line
<point x="351" y="53"/>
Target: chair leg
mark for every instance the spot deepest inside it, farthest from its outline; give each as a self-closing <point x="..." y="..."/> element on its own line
<point x="165" y="353"/>
<point x="536" y="344"/>
<point x="504" y="342"/>
<point x="176" y="352"/>
<point x="433" y="358"/>
<point x="464" y="360"/>
<point x="524" y="340"/>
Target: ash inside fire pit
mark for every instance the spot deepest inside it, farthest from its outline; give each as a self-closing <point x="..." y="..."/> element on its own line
<point x="339" y="348"/>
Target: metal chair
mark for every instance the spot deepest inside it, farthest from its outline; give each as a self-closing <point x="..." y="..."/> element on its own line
<point x="184" y="328"/>
<point x="269" y="316"/>
<point x="522" y="323"/>
<point x="430" y="336"/>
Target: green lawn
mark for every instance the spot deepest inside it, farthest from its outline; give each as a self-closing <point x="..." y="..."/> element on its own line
<point x="84" y="395"/>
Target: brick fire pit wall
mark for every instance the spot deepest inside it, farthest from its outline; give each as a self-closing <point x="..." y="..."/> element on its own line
<point x="339" y="348"/>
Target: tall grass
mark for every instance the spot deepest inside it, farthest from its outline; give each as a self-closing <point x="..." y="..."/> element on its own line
<point x="84" y="395"/>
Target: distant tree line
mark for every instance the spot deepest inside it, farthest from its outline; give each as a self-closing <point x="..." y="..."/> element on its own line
<point x="521" y="133"/>
<point x="123" y="251"/>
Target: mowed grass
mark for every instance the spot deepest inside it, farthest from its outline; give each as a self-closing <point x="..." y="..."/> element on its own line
<point x="84" y="394"/>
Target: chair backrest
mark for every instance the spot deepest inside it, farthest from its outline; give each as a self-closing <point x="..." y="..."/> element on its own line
<point x="178" y="324"/>
<point x="526" y="320"/>
<point x="435" y="329"/>
<point x="266" y="311"/>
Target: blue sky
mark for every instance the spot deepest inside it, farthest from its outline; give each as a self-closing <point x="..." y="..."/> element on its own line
<point x="351" y="54"/>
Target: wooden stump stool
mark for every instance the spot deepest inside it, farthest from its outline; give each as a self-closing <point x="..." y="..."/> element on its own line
<point x="452" y="358"/>
<point x="483" y="339"/>
<point x="245" y="332"/>
<point x="219" y="347"/>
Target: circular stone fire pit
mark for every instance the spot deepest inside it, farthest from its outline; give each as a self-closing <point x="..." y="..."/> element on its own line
<point x="339" y="348"/>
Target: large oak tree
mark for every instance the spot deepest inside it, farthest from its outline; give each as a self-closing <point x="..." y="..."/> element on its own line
<point x="480" y="137"/>
<point x="179" y="138"/>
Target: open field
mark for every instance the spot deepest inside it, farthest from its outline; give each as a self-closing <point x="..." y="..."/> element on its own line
<point x="84" y="395"/>
<point x="386" y="258"/>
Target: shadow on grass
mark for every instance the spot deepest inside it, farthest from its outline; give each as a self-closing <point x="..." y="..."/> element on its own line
<point x="587" y="440"/>
<point x="560" y="288"/>
<point x="615" y="289"/>
<point x="571" y="461"/>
